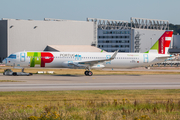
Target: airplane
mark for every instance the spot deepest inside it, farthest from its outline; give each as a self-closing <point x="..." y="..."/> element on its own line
<point x="93" y="60"/>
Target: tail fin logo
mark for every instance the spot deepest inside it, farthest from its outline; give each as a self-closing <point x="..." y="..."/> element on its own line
<point x="162" y="44"/>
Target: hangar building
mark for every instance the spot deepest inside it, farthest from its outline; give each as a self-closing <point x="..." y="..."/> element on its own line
<point x="175" y="47"/>
<point x="19" y="35"/>
<point x="137" y="36"/>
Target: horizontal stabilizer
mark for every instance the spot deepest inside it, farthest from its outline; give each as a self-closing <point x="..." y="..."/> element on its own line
<point x="165" y="57"/>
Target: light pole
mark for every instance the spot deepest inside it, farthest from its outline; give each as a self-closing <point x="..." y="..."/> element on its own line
<point x="151" y="42"/>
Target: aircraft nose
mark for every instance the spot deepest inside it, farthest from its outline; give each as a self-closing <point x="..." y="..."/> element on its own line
<point x="4" y="61"/>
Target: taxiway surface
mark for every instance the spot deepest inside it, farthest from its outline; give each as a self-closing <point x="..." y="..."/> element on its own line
<point x="108" y="82"/>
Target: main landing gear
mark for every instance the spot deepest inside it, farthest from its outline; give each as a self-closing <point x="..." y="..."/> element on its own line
<point x="88" y="73"/>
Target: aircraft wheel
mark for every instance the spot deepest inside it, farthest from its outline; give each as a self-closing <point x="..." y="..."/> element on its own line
<point x="86" y="73"/>
<point x="90" y="73"/>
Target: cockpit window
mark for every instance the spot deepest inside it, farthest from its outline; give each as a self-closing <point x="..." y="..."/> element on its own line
<point x="12" y="56"/>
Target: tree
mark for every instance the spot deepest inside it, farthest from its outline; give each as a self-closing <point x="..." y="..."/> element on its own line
<point x="175" y="28"/>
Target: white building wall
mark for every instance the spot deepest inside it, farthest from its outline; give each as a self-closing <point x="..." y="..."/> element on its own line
<point x="36" y="35"/>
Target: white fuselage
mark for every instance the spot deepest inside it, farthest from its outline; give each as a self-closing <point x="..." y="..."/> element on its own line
<point x="62" y="59"/>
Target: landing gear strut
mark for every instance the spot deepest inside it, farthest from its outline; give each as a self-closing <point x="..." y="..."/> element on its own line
<point x="22" y="69"/>
<point x="88" y="73"/>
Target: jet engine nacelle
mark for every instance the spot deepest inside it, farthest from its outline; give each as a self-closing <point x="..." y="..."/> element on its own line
<point x="98" y="66"/>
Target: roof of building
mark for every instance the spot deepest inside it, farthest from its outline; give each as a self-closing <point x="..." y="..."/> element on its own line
<point x="72" y="48"/>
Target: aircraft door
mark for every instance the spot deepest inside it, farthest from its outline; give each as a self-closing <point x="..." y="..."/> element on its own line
<point x="145" y="58"/>
<point x="107" y="57"/>
<point x="22" y="57"/>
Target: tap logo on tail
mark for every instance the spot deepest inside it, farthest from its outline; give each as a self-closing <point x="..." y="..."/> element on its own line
<point x="162" y="44"/>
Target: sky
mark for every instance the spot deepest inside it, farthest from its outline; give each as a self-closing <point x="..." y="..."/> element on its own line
<point x="82" y="9"/>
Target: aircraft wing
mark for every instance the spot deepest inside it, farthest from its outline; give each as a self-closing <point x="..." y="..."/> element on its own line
<point x="93" y="62"/>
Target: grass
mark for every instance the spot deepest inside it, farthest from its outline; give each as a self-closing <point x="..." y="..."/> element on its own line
<point x="91" y="105"/>
<point x="95" y="72"/>
<point x="10" y="81"/>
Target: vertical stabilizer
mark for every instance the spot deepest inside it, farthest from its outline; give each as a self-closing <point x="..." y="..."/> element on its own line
<point x="162" y="44"/>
